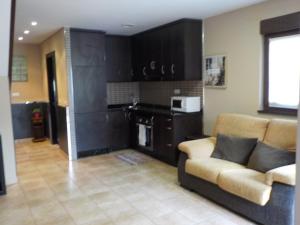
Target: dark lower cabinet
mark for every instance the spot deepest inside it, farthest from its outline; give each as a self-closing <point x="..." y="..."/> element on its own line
<point x="2" y="177"/>
<point x="91" y="132"/>
<point x="118" y="130"/>
<point x="168" y="131"/>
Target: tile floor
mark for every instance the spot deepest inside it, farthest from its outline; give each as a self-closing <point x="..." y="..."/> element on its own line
<point x="101" y="190"/>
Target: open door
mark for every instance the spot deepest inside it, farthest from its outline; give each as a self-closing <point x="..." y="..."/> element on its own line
<point x="53" y="102"/>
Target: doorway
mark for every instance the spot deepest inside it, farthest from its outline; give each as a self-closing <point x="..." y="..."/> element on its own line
<point x="52" y="92"/>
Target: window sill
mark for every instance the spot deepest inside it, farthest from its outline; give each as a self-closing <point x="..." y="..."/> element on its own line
<point x="279" y="111"/>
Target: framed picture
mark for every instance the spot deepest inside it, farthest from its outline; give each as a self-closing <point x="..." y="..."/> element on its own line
<point x="215" y="74"/>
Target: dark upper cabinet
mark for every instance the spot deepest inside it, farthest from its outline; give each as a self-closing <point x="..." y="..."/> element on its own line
<point x="118" y="58"/>
<point x="87" y="47"/>
<point x="89" y="83"/>
<point x="118" y="129"/>
<point x="170" y="52"/>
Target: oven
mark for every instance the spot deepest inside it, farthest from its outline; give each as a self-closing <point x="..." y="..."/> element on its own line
<point x="144" y="127"/>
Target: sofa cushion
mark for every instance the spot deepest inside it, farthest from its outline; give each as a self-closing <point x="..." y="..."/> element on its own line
<point x="265" y="158"/>
<point x="246" y="183"/>
<point x="210" y="168"/>
<point x="284" y="175"/>
<point x="198" y="149"/>
<point x="240" y="125"/>
<point x="282" y="134"/>
<point x="234" y="149"/>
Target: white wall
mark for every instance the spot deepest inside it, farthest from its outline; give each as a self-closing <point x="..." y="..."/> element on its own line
<point x="237" y="35"/>
<point x="5" y="109"/>
<point x="4" y="37"/>
<point x="298" y="174"/>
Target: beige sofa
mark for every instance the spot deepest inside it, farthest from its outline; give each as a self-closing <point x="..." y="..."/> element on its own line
<point x="233" y="178"/>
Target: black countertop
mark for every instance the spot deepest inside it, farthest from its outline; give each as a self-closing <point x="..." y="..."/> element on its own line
<point x="147" y="108"/>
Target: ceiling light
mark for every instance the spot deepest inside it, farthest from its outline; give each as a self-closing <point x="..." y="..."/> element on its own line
<point x="20" y="38"/>
<point x="26" y="31"/>
<point x="127" y="25"/>
<point x="34" y="23"/>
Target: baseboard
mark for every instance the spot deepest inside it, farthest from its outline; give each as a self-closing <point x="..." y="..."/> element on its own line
<point x="93" y="152"/>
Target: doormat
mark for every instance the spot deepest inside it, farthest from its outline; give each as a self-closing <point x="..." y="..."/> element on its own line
<point x="133" y="158"/>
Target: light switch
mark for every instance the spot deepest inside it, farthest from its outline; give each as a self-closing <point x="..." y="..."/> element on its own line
<point x="15" y="94"/>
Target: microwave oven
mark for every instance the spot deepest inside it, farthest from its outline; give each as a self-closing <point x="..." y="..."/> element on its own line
<point x="185" y="104"/>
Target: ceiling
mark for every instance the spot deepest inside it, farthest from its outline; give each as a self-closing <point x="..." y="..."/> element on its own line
<point x="109" y="15"/>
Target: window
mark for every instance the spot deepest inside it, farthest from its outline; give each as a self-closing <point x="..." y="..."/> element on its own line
<point x="19" y="69"/>
<point x="284" y="71"/>
<point x="281" y="64"/>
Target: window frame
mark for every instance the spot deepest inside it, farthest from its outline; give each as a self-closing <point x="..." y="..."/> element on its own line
<point x="266" y="106"/>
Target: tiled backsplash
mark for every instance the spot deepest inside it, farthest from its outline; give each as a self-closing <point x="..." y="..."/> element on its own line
<point x="161" y="92"/>
<point x="152" y="92"/>
<point x="122" y="93"/>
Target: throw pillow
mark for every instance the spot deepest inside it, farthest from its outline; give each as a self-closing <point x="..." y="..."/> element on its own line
<point x="266" y="157"/>
<point x="234" y="149"/>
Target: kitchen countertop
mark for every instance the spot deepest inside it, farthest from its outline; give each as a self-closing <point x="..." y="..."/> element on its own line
<point x="147" y="108"/>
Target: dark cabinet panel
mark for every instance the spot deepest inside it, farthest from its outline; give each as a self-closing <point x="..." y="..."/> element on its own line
<point x="118" y="58"/>
<point x="168" y="131"/>
<point x="62" y="133"/>
<point x="91" y="131"/>
<point x="118" y="130"/>
<point x="88" y="48"/>
<point x="89" y="89"/>
<point x="170" y="52"/>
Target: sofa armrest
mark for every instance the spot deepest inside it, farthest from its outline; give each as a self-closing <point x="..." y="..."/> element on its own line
<point x="200" y="148"/>
<point x="284" y="174"/>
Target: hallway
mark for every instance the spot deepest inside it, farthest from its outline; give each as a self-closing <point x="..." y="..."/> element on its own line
<point x="102" y="190"/>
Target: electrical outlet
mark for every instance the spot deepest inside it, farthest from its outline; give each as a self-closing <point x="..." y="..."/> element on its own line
<point x="177" y="91"/>
<point x="15" y="94"/>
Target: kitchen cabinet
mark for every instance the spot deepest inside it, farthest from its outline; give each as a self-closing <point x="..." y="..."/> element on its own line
<point x="89" y="83"/>
<point x="118" y="129"/>
<point x="118" y="58"/>
<point x="91" y="132"/>
<point x="169" y="52"/>
<point x="169" y="129"/>
<point x="88" y="47"/>
<point x="89" y="88"/>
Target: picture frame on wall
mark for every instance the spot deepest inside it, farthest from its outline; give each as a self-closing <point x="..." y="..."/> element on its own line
<point x="215" y="72"/>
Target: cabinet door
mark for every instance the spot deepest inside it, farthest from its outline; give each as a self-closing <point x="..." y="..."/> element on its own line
<point x="118" y="59"/>
<point x="87" y="48"/>
<point x="89" y="85"/>
<point x="91" y="131"/>
<point x="118" y="130"/>
<point x="137" y="58"/>
<point x="163" y="137"/>
<point x="154" y="54"/>
<point x="176" y="52"/>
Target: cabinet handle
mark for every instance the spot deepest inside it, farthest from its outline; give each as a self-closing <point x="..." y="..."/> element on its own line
<point x="144" y="71"/>
<point x="173" y="69"/>
<point x="152" y="65"/>
<point x="163" y="70"/>
<point x="169" y="128"/>
<point x="168" y="120"/>
<point x="106" y="117"/>
<point x="169" y="145"/>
